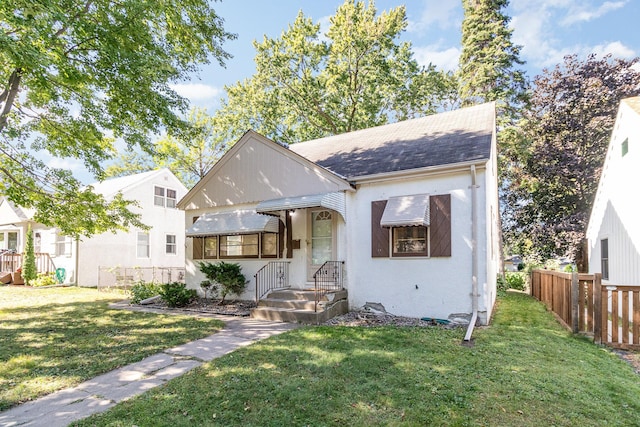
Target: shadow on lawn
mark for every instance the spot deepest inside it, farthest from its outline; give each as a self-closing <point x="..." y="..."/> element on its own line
<point x="66" y="343"/>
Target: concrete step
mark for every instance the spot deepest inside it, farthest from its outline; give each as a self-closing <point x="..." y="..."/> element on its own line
<point x="282" y="314"/>
<point x="287" y="303"/>
<point x="305" y="295"/>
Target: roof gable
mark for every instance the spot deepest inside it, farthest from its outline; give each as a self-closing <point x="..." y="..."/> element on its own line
<point x="257" y="169"/>
<point x="464" y="135"/>
<point x="10" y="213"/>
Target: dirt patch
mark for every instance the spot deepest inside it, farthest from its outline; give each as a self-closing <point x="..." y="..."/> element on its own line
<point x="202" y="305"/>
<point x="368" y="318"/>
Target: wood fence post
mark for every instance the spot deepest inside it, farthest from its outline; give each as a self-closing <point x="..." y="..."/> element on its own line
<point x="597" y="308"/>
<point x="574" y="303"/>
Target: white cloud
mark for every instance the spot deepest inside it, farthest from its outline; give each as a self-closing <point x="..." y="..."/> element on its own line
<point x="440" y="13"/>
<point x="583" y="12"/>
<point x="68" y="164"/>
<point x="196" y="91"/>
<point x="446" y="59"/>
<point x="617" y="49"/>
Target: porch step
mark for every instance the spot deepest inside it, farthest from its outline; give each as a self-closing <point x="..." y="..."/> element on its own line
<point x="296" y="305"/>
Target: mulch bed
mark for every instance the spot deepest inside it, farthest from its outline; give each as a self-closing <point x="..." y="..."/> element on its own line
<point x="211" y="306"/>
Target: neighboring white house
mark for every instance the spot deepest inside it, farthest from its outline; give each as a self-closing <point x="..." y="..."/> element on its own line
<point x="613" y="232"/>
<point x="410" y="208"/>
<point x="156" y="192"/>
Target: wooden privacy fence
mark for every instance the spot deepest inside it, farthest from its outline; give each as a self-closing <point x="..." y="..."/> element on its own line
<point x="610" y="313"/>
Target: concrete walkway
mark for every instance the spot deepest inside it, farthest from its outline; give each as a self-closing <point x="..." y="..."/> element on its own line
<point x="101" y="393"/>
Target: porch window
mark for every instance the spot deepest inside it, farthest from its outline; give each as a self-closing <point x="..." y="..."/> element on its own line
<point x="604" y="258"/>
<point x="170" y="244"/>
<point x="210" y="247"/>
<point x="143" y="245"/>
<point x="409" y="241"/>
<point x="239" y="246"/>
<point x="269" y="245"/>
<point x="12" y="241"/>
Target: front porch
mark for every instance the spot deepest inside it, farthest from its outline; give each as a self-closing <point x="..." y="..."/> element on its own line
<point x="11" y="266"/>
<point x="278" y="300"/>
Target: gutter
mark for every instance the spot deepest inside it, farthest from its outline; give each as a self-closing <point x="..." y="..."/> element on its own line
<point x="474" y="255"/>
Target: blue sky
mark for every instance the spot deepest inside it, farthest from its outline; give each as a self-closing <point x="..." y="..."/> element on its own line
<point x="546" y="29"/>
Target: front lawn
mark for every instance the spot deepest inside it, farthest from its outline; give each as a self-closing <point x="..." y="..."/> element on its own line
<point x="55" y="338"/>
<point x="524" y="370"/>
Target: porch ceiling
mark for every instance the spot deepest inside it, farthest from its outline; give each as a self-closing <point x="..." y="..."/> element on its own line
<point x="237" y="222"/>
<point x="334" y="201"/>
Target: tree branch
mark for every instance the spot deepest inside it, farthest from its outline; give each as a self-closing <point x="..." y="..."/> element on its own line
<point x="10" y="96"/>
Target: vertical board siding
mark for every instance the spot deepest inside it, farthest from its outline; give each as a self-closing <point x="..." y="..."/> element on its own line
<point x="610" y="313"/>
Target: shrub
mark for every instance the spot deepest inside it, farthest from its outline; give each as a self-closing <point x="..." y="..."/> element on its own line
<point x="210" y="289"/>
<point x="44" y="279"/>
<point x="228" y="276"/>
<point x="516" y="281"/>
<point x="176" y="294"/>
<point x="142" y="290"/>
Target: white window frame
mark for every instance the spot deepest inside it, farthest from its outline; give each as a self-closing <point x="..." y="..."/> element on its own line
<point x="62" y="245"/>
<point x="165" y="200"/>
<point x="171" y="248"/>
<point x="159" y="199"/>
<point x="171" y="201"/>
<point x="142" y="244"/>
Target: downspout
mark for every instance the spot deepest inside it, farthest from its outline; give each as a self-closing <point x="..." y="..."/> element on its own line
<point x="77" y="262"/>
<point x="474" y="255"/>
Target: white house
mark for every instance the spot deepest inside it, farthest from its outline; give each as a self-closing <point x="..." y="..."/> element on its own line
<point x="156" y="192"/>
<point x="613" y="232"/>
<point x="404" y="215"/>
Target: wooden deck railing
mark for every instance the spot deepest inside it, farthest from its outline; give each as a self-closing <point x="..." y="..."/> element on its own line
<point x="610" y="313"/>
<point x="10" y="262"/>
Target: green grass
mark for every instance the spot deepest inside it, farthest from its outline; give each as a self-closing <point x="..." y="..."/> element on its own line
<point x="524" y="370"/>
<point x="58" y="337"/>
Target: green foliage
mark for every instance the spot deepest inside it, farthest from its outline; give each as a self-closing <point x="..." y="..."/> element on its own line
<point x="517" y="281"/>
<point x="29" y="268"/>
<point x="76" y="76"/>
<point x="142" y="290"/>
<point x="176" y="294"/>
<point x="229" y="276"/>
<point x="44" y="279"/>
<point x="560" y="149"/>
<point x="489" y="58"/>
<point x="188" y="155"/>
<point x="210" y="289"/>
<point x="354" y="76"/>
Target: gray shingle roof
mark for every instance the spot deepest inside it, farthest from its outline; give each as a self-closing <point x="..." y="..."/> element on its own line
<point x="462" y="135"/>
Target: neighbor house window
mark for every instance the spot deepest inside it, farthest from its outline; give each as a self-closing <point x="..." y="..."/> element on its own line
<point x="604" y="257"/>
<point x="37" y="243"/>
<point x="409" y="241"/>
<point x="62" y="245"/>
<point x="164" y="197"/>
<point x="158" y="198"/>
<point x="12" y="240"/>
<point x="143" y="245"/>
<point x="239" y="246"/>
<point x="170" y="245"/>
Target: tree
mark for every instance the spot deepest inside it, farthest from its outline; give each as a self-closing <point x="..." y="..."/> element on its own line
<point x="189" y="156"/>
<point x="74" y="75"/>
<point x="562" y="142"/>
<point x="29" y="269"/>
<point x="489" y="59"/>
<point x="357" y="75"/>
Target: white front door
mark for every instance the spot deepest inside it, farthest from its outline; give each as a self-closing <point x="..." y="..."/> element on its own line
<point x="322" y="242"/>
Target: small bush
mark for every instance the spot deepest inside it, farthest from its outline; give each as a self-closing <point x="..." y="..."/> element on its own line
<point x="209" y="288"/>
<point x="229" y="276"/>
<point x="176" y="294"/>
<point x="142" y="290"/>
<point x="44" y="279"/>
<point x="516" y="281"/>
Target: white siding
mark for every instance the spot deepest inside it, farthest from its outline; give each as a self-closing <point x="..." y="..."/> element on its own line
<point x="615" y="211"/>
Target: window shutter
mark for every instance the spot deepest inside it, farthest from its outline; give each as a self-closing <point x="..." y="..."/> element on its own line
<point x="282" y="237"/>
<point x="379" y="234"/>
<point x="440" y="213"/>
<point x="198" y="244"/>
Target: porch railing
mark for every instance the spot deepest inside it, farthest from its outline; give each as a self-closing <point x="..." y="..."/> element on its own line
<point x="328" y="278"/>
<point x="11" y="261"/>
<point x="274" y="275"/>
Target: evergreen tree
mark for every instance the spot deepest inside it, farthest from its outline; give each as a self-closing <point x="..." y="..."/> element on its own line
<point x="489" y="59"/>
<point x="29" y="269"/>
